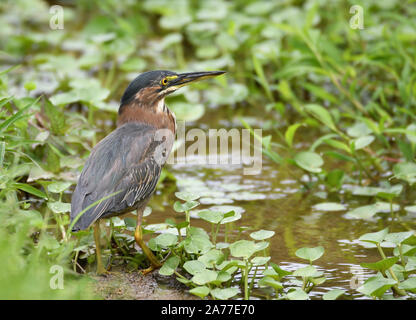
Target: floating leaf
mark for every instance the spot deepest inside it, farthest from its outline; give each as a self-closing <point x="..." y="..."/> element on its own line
<point x="186" y="196"/>
<point x="262" y="234"/>
<point x="310" y="254"/>
<point x="329" y="206"/>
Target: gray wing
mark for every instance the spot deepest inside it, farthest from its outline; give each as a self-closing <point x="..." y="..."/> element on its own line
<point x="126" y="162"/>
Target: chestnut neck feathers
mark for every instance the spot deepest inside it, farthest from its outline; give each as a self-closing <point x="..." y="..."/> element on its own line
<point x="147" y="107"/>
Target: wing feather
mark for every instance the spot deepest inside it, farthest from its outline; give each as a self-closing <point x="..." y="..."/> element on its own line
<point x="123" y="162"/>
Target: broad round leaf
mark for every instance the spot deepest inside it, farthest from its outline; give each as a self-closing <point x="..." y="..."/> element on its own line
<point x="262" y="234"/>
<point x="242" y="249"/>
<point x="225" y="294"/>
<point x="310" y="254"/>
<point x="309" y="161"/>
<point x="169" y="266"/>
<point x="329" y="206"/>
<point x="194" y="266"/>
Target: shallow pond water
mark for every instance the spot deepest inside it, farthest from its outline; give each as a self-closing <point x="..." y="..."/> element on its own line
<point x="274" y="200"/>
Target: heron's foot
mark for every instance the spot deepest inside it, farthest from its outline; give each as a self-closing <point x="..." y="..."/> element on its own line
<point x="101" y="271"/>
<point x="150" y="269"/>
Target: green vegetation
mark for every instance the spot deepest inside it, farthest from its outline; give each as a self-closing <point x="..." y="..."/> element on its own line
<point x="336" y="104"/>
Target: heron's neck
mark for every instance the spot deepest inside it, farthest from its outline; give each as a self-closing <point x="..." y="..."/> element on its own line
<point x="158" y="116"/>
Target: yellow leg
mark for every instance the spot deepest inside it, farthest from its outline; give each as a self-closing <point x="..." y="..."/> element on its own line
<point x="138" y="236"/>
<point x="100" y="267"/>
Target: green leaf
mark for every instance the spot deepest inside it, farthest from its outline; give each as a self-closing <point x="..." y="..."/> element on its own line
<point x="186" y="196"/>
<point x="310" y="254"/>
<point x="182" y="207"/>
<point x="211" y="216"/>
<point x="309" y="161"/>
<point x="197" y="244"/>
<point x="170" y="266"/>
<point x="333" y="294"/>
<point x="306" y="272"/>
<point x="329" y="206"/>
<point x="366" y="212"/>
<point x="320" y="92"/>
<point x="321" y="114"/>
<point x="290" y="133"/>
<point x="363" y="142"/>
<point x="376" y="286"/>
<point x="381" y="265"/>
<point x="29" y="189"/>
<point x="59" y="207"/>
<point x="262" y="234"/>
<point x="335" y="178"/>
<point x="165" y="240"/>
<point x="259" y="261"/>
<point x="359" y="129"/>
<point x="270" y="282"/>
<point x="211" y="258"/>
<point x="2" y="152"/>
<point x="398" y="237"/>
<point x="17" y="116"/>
<point x="297" y="294"/>
<point x="282" y="273"/>
<point x="185" y="111"/>
<point x="201" y="291"/>
<point x="405" y="171"/>
<point x="194" y="266"/>
<point x="225" y="294"/>
<point x="374" y="237"/>
<point x="338" y="144"/>
<point x="56" y="117"/>
<point x="58" y="187"/>
<point x="203" y="277"/>
<point x="409" y="284"/>
<point x="242" y="249"/>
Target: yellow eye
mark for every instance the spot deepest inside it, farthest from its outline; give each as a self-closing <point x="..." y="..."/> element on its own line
<point x="164" y="81"/>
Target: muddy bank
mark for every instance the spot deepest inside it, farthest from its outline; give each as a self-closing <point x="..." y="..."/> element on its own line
<point x="125" y="285"/>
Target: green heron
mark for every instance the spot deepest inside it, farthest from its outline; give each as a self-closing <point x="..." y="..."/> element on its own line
<point x="124" y="167"/>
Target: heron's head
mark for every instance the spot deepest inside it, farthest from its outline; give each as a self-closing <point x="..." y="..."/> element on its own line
<point x="150" y="88"/>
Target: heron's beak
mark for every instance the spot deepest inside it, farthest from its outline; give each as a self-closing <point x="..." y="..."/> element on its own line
<point x="183" y="79"/>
